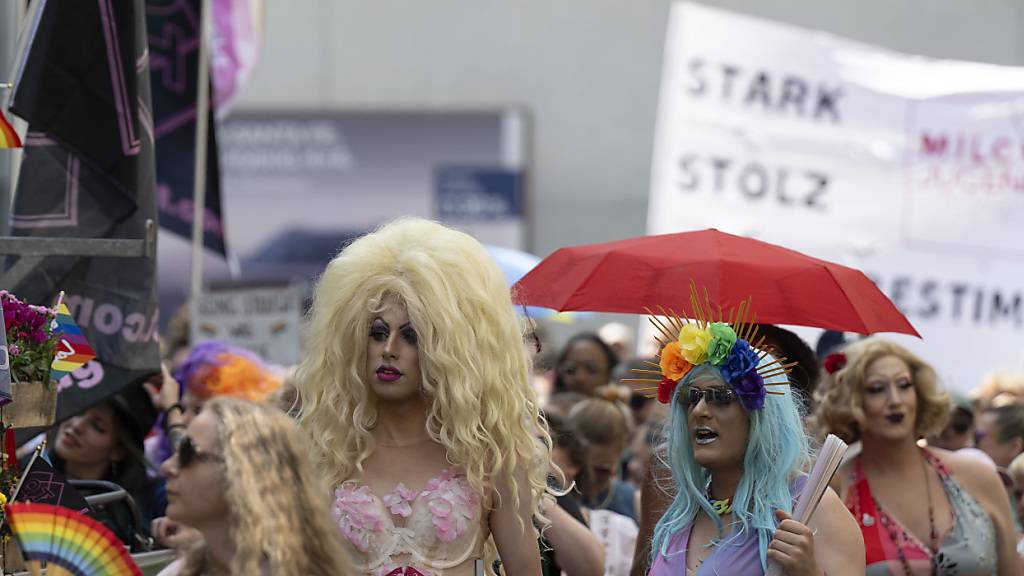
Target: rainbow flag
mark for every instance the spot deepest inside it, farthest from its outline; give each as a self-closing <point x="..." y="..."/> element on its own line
<point x="73" y="350"/>
<point x="71" y="543"/>
<point x="8" y="137"/>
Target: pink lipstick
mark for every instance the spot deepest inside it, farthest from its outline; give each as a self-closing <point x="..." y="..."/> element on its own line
<point x="388" y="374"/>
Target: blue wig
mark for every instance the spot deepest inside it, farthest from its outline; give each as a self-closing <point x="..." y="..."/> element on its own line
<point x="777" y="450"/>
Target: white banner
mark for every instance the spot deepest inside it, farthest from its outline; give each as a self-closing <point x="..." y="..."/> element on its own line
<point x="263" y="320"/>
<point x="909" y="169"/>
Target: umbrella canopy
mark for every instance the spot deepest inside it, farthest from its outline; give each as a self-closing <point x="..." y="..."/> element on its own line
<point x="787" y="287"/>
<point x="514" y="264"/>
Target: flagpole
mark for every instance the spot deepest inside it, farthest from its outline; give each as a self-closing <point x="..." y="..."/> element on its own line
<point x="202" y="129"/>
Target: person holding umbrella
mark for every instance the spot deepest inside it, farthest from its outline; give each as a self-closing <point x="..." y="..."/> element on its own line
<point x="956" y="517"/>
<point x="415" y="395"/>
<point x="738" y="451"/>
<point x="657" y="489"/>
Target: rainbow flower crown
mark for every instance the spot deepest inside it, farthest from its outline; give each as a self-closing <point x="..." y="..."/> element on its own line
<point x="716" y="339"/>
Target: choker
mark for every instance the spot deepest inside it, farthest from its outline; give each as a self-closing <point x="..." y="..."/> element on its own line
<point x="721" y="507"/>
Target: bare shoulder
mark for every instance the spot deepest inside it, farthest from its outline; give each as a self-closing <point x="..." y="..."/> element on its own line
<point x="832" y="514"/>
<point x="978" y="478"/>
<point x="841" y="480"/>
<point x="970" y="471"/>
<point x="839" y="544"/>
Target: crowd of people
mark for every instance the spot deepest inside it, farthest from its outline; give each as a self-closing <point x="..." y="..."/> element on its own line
<point x="423" y="435"/>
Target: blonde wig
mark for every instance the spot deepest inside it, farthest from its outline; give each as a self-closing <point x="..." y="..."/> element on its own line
<point x="475" y="369"/>
<point x="841" y="408"/>
<point x="279" y="511"/>
<point x="1000" y="388"/>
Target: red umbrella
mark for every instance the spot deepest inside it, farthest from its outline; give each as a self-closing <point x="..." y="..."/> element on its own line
<point x="787" y="287"/>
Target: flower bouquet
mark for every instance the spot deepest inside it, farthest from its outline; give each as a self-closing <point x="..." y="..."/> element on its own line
<point x="31" y="343"/>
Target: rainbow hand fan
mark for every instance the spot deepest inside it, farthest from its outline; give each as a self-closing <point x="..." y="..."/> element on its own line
<point x="70" y="543"/>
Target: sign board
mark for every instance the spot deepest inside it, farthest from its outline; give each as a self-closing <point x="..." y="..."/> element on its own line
<point x="909" y="169"/>
<point x="263" y="320"/>
<point x="296" y="185"/>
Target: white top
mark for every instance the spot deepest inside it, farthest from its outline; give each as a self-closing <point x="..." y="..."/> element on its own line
<point x="173" y="569"/>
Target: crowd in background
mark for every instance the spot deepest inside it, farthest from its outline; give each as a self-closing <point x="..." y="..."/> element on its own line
<point x="605" y="447"/>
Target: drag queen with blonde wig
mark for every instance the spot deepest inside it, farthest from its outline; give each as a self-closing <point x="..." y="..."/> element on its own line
<point x="415" y="394"/>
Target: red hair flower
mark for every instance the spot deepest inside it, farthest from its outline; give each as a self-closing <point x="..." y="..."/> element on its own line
<point x="666" y="388"/>
<point x="834" y="362"/>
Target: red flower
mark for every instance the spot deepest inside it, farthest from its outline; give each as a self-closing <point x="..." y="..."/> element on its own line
<point x="666" y="388"/>
<point x="834" y="362"/>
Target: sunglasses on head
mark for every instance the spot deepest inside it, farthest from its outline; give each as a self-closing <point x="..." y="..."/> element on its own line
<point x="188" y="453"/>
<point x="713" y="396"/>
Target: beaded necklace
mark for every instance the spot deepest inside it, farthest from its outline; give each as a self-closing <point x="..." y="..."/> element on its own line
<point x="932" y="532"/>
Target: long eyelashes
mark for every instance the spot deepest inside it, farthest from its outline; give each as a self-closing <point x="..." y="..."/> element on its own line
<point x="380" y="333"/>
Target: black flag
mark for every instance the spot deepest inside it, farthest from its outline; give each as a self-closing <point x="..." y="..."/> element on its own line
<point x="44" y="485"/>
<point x="87" y="172"/>
<point x="173" y="27"/>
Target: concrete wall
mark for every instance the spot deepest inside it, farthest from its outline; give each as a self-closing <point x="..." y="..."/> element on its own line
<point x="587" y="71"/>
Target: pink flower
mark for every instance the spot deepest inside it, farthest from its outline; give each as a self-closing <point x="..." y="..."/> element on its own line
<point x="356" y="516"/>
<point x="38" y="336"/>
<point x="452" y="504"/>
<point x="399" y="500"/>
<point x="13" y="350"/>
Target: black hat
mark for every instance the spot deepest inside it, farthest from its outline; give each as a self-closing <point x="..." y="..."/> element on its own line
<point x="136" y="410"/>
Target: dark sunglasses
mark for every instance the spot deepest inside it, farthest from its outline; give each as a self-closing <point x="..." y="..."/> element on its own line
<point x="188" y="453"/>
<point x="713" y="396"/>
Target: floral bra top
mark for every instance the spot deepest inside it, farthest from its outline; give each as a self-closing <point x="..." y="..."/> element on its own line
<point x="438" y="531"/>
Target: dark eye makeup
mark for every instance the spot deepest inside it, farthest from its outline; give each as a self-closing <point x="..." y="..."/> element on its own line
<point x="380" y="332"/>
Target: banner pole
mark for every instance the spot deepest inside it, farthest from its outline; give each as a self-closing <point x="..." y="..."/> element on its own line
<point x="202" y="129"/>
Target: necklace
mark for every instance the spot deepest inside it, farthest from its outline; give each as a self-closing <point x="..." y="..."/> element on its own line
<point x="932" y="532"/>
<point x="721" y="507"/>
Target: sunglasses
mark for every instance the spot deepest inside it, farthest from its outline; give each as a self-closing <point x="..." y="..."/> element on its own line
<point x="713" y="396"/>
<point x="188" y="453"/>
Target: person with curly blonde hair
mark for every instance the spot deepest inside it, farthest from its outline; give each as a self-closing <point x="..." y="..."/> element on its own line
<point x="920" y="510"/>
<point x="241" y="476"/>
<point x="415" y="393"/>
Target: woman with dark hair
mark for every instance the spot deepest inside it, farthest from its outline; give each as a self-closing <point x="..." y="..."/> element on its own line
<point x="585" y="363"/>
<point x="105" y="442"/>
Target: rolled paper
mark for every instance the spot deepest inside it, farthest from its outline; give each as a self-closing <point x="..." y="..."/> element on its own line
<point x="830" y="456"/>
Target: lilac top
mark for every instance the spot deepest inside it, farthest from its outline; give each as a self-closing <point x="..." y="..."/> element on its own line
<point x="739" y="557"/>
